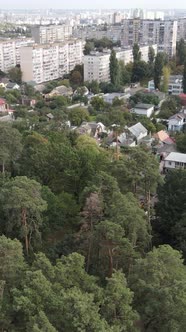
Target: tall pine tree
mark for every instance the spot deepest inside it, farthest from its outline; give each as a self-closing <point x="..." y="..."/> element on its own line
<point x="114" y="69"/>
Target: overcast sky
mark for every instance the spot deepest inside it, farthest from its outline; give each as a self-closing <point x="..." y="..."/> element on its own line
<point x="78" y="4"/>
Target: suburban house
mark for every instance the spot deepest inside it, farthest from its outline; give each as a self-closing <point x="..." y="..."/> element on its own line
<point x="138" y="131"/>
<point x="82" y="90"/>
<point x="175" y="160"/>
<point x="49" y="116"/>
<point x="182" y="97"/>
<point x="163" y="137"/>
<point x="110" y="97"/>
<point x="2" y="106"/>
<point x="165" y="144"/>
<point x="177" y="121"/>
<point x="26" y="101"/>
<point x="60" y="91"/>
<point x="121" y="140"/>
<point x="143" y="109"/>
<point x="129" y="137"/>
<point x="12" y="86"/>
<point x="3" y="82"/>
<point x="93" y="129"/>
<point x="7" y="118"/>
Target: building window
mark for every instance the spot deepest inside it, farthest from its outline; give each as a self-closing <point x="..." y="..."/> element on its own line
<point x="170" y="163"/>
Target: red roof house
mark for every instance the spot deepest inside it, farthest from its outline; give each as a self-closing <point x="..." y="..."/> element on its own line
<point x="183" y="99"/>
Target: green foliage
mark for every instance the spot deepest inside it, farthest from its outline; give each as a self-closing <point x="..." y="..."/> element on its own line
<point x="118" y="116"/>
<point x="140" y="71"/>
<point x="151" y="55"/>
<point x="114" y="69"/>
<point x="93" y="209"/>
<point x="10" y="148"/>
<point x="99" y="44"/>
<point x="136" y="53"/>
<point x="11" y="261"/>
<point x="22" y="204"/>
<point x="181" y="51"/>
<point x="165" y="83"/>
<point x="15" y="75"/>
<point x="76" y="76"/>
<point x="158" y="69"/>
<point x="170" y="107"/>
<point x="181" y="142"/>
<point x="117" y="304"/>
<point x="125" y="74"/>
<point x="13" y="96"/>
<point x="78" y="115"/>
<point x="34" y="157"/>
<point x="147" y="98"/>
<point x="58" y="102"/>
<point x="106" y="87"/>
<point x="93" y="86"/>
<point x="89" y="46"/>
<point x="170" y="224"/>
<point x="158" y="282"/>
<point x="98" y="103"/>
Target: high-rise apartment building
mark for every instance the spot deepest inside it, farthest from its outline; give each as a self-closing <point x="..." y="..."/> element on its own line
<point x="181" y="34"/>
<point x="10" y="52"/>
<point x="137" y="30"/>
<point x="20" y="43"/>
<point x="117" y="18"/>
<point x="149" y="32"/>
<point x="96" y="67"/>
<point x="51" y="33"/>
<point x="7" y="55"/>
<point x="96" y="64"/>
<point x="42" y="63"/>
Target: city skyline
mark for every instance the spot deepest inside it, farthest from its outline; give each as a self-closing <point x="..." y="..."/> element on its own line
<point x="97" y="4"/>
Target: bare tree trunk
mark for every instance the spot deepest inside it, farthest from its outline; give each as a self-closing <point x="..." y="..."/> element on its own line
<point x="24" y="222"/>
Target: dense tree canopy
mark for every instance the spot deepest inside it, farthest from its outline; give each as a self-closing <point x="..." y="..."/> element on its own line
<point x="86" y="218"/>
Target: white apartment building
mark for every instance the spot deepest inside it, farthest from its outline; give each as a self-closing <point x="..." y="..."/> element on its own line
<point x="168" y="37"/>
<point x="149" y="32"/>
<point x="175" y="86"/>
<point x="143" y="31"/>
<point x="51" y="33"/>
<point x="96" y="64"/>
<point x="7" y="55"/>
<point x="96" y="67"/>
<point x="113" y="32"/>
<point x="20" y="43"/>
<point x="42" y="63"/>
<point x="10" y="52"/>
<point x="181" y="34"/>
<point x="75" y="53"/>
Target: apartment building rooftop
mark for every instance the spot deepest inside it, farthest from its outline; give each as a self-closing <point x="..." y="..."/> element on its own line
<point x="175" y="78"/>
<point x="49" y="45"/>
<point x="97" y="53"/>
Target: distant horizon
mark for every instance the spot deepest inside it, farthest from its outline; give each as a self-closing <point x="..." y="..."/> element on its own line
<point x="84" y="8"/>
<point x="98" y="4"/>
<point x="93" y="8"/>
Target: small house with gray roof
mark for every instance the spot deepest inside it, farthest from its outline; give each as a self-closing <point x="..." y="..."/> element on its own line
<point x="143" y="109"/>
